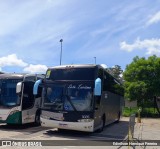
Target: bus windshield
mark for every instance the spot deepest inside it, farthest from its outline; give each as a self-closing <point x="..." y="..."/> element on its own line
<point x="68" y="98"/>
<point x="8" y="96"/>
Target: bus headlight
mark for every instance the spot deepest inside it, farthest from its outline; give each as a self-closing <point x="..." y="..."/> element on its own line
<point x="45" y="117"/>
<point x="85" y="120"/>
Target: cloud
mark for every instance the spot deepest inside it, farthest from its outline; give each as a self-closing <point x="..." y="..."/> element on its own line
<point x="151" y="45"/>
<point x="154" y="19"/>
<point x="11" y="60"/>
<point x="35" y="68"/>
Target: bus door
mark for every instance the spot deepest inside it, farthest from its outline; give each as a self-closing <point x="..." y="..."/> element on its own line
<point x="28" y="110"/>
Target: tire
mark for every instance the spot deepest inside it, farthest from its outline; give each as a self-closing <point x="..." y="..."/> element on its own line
<point x="119" y="116"/>
<point x="102" y="124"/>
<point x="37" y="119"/>
<point x="60" y="130"/>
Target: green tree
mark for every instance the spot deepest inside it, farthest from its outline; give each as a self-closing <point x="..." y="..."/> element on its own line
<point x="116" y="71"/>
<point x="142" y="79"/>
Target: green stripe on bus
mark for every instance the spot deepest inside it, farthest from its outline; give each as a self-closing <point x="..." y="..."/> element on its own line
<point x="2" y="121"/>
<point x="15" y="118"/>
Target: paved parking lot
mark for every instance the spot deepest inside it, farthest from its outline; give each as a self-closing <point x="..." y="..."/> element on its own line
<point x="149" y="129"/>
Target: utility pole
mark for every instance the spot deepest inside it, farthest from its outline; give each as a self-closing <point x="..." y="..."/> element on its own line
<point x="95" y="60"/>
<point x="61" y="51"/>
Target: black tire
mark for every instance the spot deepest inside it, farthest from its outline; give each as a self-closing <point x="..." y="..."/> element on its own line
<point x="60" y="130"/>
<point x="102" y="124"/>
<point x="37" y="119"/>
<point x="119" y="116"/>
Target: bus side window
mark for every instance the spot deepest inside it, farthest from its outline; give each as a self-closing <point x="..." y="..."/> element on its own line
<point x="111" y="85"/>
<point x="107" y="82"/>
<point x="100" y="74"/>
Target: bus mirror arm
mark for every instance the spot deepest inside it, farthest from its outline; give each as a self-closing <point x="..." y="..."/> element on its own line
<point x="98" y="100"/>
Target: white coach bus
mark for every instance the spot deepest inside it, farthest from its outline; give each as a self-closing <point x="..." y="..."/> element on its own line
<point x="79" y="97"/>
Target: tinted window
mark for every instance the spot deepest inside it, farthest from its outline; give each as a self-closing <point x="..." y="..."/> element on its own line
<point x="112" y="85"/>
<point x="30" y="78"/>
<point x="72" y="74"/>
<point x="100" y="74"/>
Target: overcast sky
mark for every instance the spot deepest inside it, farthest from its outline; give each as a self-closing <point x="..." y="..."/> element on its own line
<point x="113" y="31"/>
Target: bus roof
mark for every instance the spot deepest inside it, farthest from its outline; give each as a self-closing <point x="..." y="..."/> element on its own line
<point x="72" y="66"/>
<point x="11" y="75"/>
<point x="17" y="75"/>
<point x="79" y="66"/>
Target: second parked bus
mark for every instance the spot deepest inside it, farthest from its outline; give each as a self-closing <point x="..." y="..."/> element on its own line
<point x="18" y="105"/>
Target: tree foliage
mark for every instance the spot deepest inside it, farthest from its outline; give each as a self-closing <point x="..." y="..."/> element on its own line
<point x="142" y="78"/>
<point x="116" y="71"/>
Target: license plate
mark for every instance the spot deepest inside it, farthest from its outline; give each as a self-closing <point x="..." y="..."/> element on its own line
<point x="63" y="125"/>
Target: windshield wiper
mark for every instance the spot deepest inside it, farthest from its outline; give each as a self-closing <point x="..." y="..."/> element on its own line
<point x="69" y="99"/>
<point x="49" y="104"/>
<point x="57" y="103"/>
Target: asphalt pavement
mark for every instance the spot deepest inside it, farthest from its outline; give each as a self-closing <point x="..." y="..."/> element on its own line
<point x="114" y="136"/>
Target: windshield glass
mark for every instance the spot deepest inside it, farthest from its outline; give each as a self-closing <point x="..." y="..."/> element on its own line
<point x="68" y="97"/>
<point x="81" y="99"/>
<point x="71" y="74"/>
<point x="52" y="97"/>
<point x="8" y="96"/>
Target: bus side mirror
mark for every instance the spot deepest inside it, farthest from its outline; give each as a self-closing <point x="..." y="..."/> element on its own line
<point x="97" y="88"/>
<point x="18" y="87"/>
<point x="35" y="88"/>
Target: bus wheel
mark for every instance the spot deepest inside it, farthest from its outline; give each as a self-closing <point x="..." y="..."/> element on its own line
<point x="102" y="124"/>
<point x="37" y="119"/>
<point x="118" y="119"/>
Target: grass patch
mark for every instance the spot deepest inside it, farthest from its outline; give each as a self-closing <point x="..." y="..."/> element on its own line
<point x="129" y="111"/>
<point x="147" y="112"/>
